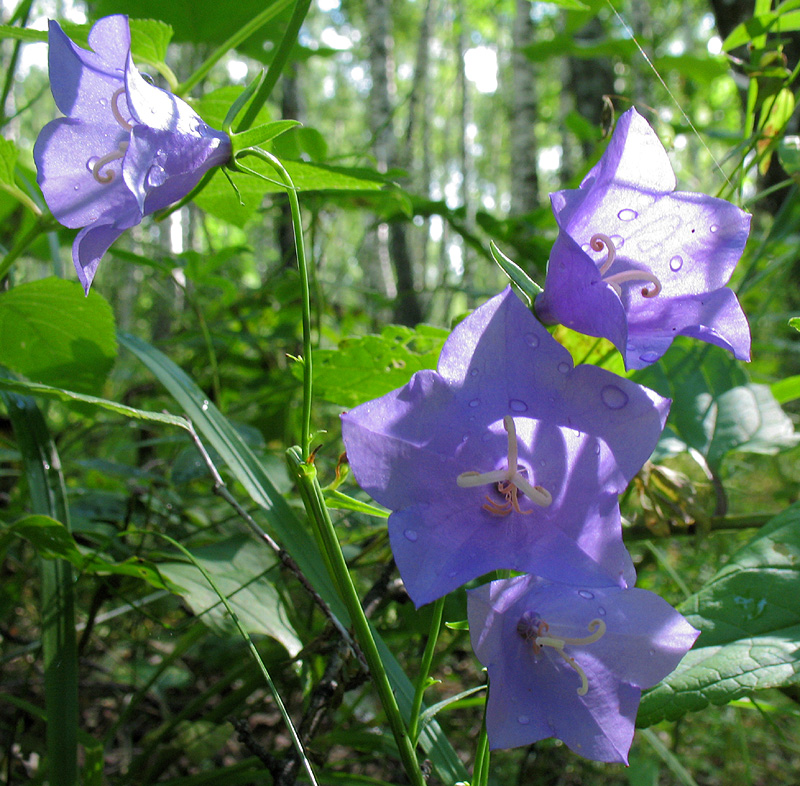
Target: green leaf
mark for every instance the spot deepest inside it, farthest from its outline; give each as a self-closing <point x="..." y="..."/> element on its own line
<point x="288" y="530"/>
<point x="53" y="541"/>
<point x="55" y="335"/>
<point x="570" y="5"/>
<point x="240" y="567"/>
<point x="516" y="274"/>
<point x="773" y="22"/>
<point x="370" y="366"/>
<point x="715" y="410"/>
<point x="795" y="323"/>
<point x="261" y="134"/>
<point x="786" y="389"/>
<point x="749" y="622"/>
<point x="8" y="160"/>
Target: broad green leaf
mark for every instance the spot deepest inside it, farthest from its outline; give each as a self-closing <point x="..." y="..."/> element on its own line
<point x="715" y="410"/>
<point x="53" y="541"/>
<point x="773" y="22"/>
<point x="750" y="624"/>
<point x="370" y="366"/>
<point x="149" y="40"/>
<point x="241" y="569"/>
<point x="786" y="389"/>
<point x="569" y="5"/>
<point x="287" y="528"/>
<point x="8" y="160"/>
<point x="568" y="45"/>
<point x="53" y="334"/>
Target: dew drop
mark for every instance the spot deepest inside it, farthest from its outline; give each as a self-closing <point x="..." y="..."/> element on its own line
<point x="76" y="187"/>
<point x="91" y="162"/>
<point x="471" y="418"/>
<point x="532" y="340"/>
<point x="676" y="263"/>
<point x="411" y="535"/>
<point x="713" y="227"/>
<point x="586" y="594"/>
<point x="475" y="402"/>
<point x="515" y="405"/>
<point x="586" y="247"/>
<point x="652" y="652"/>
<point x="597" y="450"/>
<point x="617" y="240"/>
<point x="103" y="102"/>
<point x="156" y="176"/>
<point x="626" y="214"/>
<point x="204" y="406"/>
<point x="465" y="438"/>
<point x="564" y="367"/>
<point x="523" y="720"/>
<point x="613" y="397"/>
<point x="648" y="357"/>
<point x="601" y="611"/>
<point x="474" y="372"/>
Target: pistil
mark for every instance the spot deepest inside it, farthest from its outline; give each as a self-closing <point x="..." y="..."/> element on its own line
<point x="96" y="167"/>
<point x="509" y="481"/>
<point x="534" y="631"/>
<point x="600" y="241"/>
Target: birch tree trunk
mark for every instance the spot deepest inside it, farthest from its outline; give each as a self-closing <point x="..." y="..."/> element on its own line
<point x="407" y="309"/>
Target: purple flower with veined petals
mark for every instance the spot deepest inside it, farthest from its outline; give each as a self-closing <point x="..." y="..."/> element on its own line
<point x="637" y="262"/>
<point x="571" y="662"/>
<point x="505" y="457"/>
<point x="125" y="148"/>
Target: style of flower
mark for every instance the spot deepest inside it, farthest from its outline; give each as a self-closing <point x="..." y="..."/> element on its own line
<point x="125" y="148"/>
<point x="637" y="262"/>
<point x="571" y="662"/>
<point x="505" y="457"/>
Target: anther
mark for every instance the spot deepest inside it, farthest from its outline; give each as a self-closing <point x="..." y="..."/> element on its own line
<point x="109" y="174"/>
<point x="598" y="242"/>
<point x="509" y="481"/>
<point x="115" y="110"/>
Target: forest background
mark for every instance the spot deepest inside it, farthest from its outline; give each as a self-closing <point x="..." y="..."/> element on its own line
<point x="429" y="129"/>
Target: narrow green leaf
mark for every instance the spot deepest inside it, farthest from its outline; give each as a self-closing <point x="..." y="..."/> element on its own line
<point x="530" y="289"/>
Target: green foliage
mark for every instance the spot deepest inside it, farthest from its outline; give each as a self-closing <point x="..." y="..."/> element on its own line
<point x="749" y="626"/>
<point x="55" y="335"/>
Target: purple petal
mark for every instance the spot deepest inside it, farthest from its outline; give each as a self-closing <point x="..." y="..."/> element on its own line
<point x="84" y="82"/>
<point x="90" y="245"/>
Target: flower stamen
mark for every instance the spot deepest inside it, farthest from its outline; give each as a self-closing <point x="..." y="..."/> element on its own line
<point x="509" y="482"/>
<point x="115" y="110"/>
<point x="534" y="630"/>
<point x="109" y="174"/>
<point x="600" y="241"/>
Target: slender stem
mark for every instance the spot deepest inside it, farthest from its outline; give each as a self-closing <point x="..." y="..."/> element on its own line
<point x="241" y="35"/>
<point x="424" y="670"/>
<point x="276" y="66"/>
<point x="306" y="476"/>
<point x="480" y="771"/>
<point x="297" y="225"/>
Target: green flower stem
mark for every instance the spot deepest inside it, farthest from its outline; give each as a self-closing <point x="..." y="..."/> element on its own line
<point x="480" y="772"/>
<point x="241" y="35"/>
<point x="41" y="225"/>
<point x="425" y="669"/>
<point x="276" y="66"/>
<point x="305" y="474"/>
<point x="297" y="225"/>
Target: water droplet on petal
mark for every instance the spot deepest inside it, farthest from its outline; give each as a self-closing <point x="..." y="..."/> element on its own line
<point x="474" y="372"/>
<point x="649" y="357"/>
<point x="601" y="611"/>
<point x="586" y="594"/>
<point x="713" y="227"/>
<point x="586" y="247"/>
<point x="156" y="176"/>
<point x="532" y="340"/>
<point x="523" y="720"/>
<point x="486" y="436"/>
<point x="626" y="214"/>
<point x="652" y="652"/>
<point x="564" y="367"/>
<point x="411" y="535"/>
<point x="76" y="187"/>
<point x="103" y="102"/>
<point x="475" y="402"/>
<point x="613" y="397"/>
<point x="676" y="263"/>
<point x="515" y="405"/>
<point x="597" y="450"/>
<point x="617" y="240"/>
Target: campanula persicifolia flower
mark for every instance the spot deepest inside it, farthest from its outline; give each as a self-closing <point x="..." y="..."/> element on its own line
<point x="639" y="263"/>
<point x="125" y="149"/>
<point x="571" y="662"/>
<point x="504" y="457"/>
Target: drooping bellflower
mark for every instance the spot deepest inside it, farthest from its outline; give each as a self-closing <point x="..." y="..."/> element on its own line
<point x="506" y="456"/>
<point x="125" y="148"/>
<point x="637" y="262"/>
<point x="571" y="662"/>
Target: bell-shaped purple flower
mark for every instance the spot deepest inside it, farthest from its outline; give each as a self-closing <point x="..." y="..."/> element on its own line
<point x="125" y="148"/>
<point x="571" y="662"/>
<point x="506" y="457"/>
<point x="637" y="262"/>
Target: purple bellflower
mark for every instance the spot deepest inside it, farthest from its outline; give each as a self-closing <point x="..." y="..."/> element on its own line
<point x="504" y="457"/>
<point x="571" y="662"/>
<point x="125" y="148"/>
<point x="637" y="262"/>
